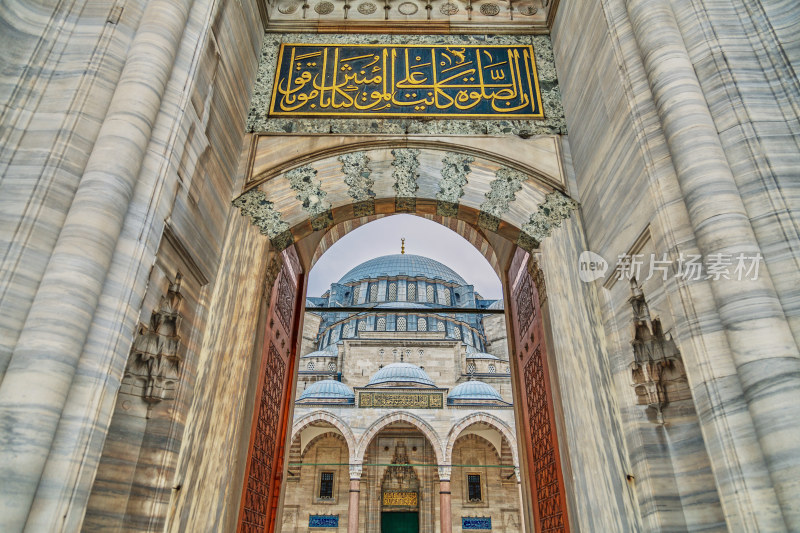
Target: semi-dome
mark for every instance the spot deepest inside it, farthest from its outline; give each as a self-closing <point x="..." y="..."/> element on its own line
<point x="402" y="265"/>
<point x="401" y="373"/>
<point x="474" y="390"/>
<point x="327" y="390"/>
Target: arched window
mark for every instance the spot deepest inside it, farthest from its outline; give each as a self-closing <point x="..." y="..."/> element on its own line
<point x="356" y="294"/>
<point x="422" y="324"/>
<point x="471" y="368"/>
<point x="310" y="366"/>
<point x="447" y="298"/>
<point x="429" y="293"/>
<point x="401" y="323"/>
<point x="457" y="331"/>
<point x="440" y="326"/>
<point x="382" y="323"/>
<point x="362" y="325"/>
<point x="332" y="367"/>
<point x="393" y="292"/>
<point x="347" y="329"/>
<point x="412" y="291"/>
<point x="373" y="292"/>
<point x="492" y="369"/>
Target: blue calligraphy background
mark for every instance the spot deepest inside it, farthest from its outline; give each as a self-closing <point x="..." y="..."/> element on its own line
<point x="323" y="520"/>
<point x="396" y="80"/>
<point x="478" y="522"/>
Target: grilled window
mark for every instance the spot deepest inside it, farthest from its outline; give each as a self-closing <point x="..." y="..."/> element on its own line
<point x="447" y="298"/>
<point x="332" y="367"/>
<point x="440" y="326"/>
<point x="429" y="293"/>
<point x="474" y="487"/>
<point x="326" y="486"/>
<point x="382" y="324"/>
<point x="457" y="332"/>
<point x="492" y="369"/>
<point x="412" y="292"/>
<point x="373" y="293"/>
<point x="401" y="323"/>
<point x="393" y="292"/>
<point x="356" y="295"/>
<point x="422" y="324"/>
<point x="310" y="366"/>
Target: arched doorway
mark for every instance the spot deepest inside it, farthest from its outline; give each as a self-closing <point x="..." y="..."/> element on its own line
<point x="297" y="206"/>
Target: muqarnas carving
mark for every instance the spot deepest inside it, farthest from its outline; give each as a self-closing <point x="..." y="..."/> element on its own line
<point x="659" y="377"/>
<point x="154" y="363"/>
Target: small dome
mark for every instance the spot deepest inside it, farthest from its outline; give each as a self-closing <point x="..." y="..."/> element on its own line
<point x="497" y="304"/>
<point x="319" y="353"/>
<point x="328" y="389"/>
<point x="474" y="390"/>
<point x="401" y="373"/>
<point x="482" y="355"/>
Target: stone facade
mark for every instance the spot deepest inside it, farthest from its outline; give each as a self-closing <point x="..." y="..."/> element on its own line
<point x="128" y="127"/>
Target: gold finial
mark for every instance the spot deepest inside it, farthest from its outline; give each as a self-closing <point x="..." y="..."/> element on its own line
<point x="402" y="245"/>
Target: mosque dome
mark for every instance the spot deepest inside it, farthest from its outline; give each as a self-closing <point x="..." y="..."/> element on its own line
<point x="328" y="390"/>
<point x="473" y="390"/>
<point x="402" y="265"/>
<point x="400" y="374"/>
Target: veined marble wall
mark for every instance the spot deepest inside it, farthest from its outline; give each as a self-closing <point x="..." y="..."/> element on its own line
<point x="120" y="119"/>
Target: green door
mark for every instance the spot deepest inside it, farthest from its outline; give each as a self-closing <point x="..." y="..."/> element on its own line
<point x="396" y="522"/>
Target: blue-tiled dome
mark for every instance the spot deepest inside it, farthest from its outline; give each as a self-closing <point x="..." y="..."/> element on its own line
<point x="402" y="264"/>
<point x="401" y="373"/>
<point x="474" y="390"/>
<point x="328" y="389"/>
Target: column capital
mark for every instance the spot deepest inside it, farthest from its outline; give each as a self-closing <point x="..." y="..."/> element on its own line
<point x="444" y="473"/>
<point x="355" y="470"/>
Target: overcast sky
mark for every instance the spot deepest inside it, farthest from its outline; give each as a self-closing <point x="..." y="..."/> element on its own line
<point x="423" y="237"/>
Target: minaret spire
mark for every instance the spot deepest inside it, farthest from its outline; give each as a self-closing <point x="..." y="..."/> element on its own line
<point x="402" y="245"/>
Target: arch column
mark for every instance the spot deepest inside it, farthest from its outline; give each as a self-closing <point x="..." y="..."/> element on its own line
<point x="446" y="519"/>
<point x="355" y="496"/>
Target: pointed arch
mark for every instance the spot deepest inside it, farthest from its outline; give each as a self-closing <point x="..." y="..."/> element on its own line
<point x="484" y="418"/>
<point x="401" y="416"/>
<point x="330" y="418"/>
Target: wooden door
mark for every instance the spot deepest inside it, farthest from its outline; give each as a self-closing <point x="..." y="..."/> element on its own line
<point x="539" y="429"/>
<point x="263" y="472"/>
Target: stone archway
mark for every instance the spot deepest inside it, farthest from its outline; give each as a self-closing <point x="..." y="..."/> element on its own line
<point x="333" y="420"/>
<point x="401" y="416"/>
<point x="481" y="418"/>
<point x="512" y="203"/>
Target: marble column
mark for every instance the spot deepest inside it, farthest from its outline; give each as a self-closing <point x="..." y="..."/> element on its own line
<point x="41" y="370"/>
<point x="762" y="347"/>
<point x="355" y="496"/>
<point x="444" y="500"/>
<point x="521" y="499"/>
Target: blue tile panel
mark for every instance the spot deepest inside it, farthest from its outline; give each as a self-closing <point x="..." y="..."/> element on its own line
<point x="476" y="522"/>
<point x="316" y="520"/>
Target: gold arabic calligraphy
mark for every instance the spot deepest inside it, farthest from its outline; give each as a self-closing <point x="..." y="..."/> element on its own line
<point x="405" y="80"/>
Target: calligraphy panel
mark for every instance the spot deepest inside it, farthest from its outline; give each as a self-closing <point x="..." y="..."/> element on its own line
<point x="476" y="522"/>
<point x="324" y="520"/>
<point x="400" y="400"/>
<point x="399" y="499"/>
<point x="467" y="81"/>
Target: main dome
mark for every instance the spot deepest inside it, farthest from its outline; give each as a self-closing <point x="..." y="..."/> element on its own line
<point x="402" y="265"/>
<point x="401" y="373"/>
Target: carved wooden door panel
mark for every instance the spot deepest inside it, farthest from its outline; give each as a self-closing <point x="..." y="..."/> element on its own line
<point x="539" y="429"/>
<point x="263" y="472"/>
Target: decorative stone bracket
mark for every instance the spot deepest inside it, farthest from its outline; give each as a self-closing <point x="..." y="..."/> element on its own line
<point x="154" y="362"/>
<point x="659" y="376"/>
